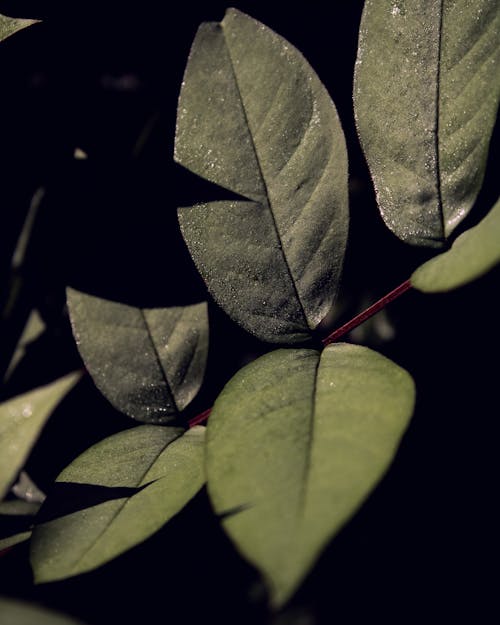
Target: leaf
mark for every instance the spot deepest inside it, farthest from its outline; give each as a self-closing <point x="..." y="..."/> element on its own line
<point x="33" y="330"/>
<point x="17" y="301"/>
<point x="10" y="25"/>
<point x="12" y="540"/>
<point x="16" y="521"/>
<point x="254" y="118"/>
<point x="472" y="254"/>
<point x="148" y="362"/>
<point x="25" y="488"/>
<point x="295" y="443"/>
<point x="21" y="421"/>
<point x="161" y="467"/>
<point x="17" y="507"/>
<point x="426" y="94"/>
<point x="13" y="612"/>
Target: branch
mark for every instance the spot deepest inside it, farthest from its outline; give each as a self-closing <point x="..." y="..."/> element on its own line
<point x="366" y="314"/>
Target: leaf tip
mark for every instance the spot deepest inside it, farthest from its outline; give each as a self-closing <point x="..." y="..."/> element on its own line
<point x="11" y="25"/>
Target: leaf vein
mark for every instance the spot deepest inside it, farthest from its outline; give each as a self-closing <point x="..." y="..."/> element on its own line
<point x="475" y="43"/>
<point x="264" y="184"/>
<point x="120" y="508"/>
<point x="158" y="359"/>
<point x="310" y="441"/>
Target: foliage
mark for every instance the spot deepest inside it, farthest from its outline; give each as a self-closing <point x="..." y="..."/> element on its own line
<point x="299" y="439"/>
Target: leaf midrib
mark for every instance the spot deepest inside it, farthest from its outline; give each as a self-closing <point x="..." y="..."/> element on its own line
<point x="310" y="441"/>
<point x="437" y="130"/>
<point x="264" y="183"/>
<point x="158" y="359"/>
<point x="119" y="510"/>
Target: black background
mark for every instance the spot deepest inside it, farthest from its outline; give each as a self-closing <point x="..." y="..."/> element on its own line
<point x="96" y="76"/>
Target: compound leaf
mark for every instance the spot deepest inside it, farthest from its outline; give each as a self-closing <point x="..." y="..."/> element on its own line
<point x="295" y="442"/>
<point x="21" y="421"/>
<point x="472" y="254"/>
<point x="148" y="362"/>
<point x="426" y="95"/>
<point x="254" y="118"/>
<point x="138" y="478"/>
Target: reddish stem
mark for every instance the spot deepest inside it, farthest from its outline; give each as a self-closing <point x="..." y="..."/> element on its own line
<point x="201" y="418"/>
<point x="334" y="336"/>
<point x="366" y="314"/>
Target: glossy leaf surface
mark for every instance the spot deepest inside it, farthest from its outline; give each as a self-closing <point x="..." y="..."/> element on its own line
<point x="148" y="362"/>
<point x="140" y="478"/>
<point x="426" y="95"/>
<point x="295" y="442"/>
<point x="11" y="25"/>
<point x="254" y="118"/>
<point x="473" y="254"/>
<point x="14" y="612"/>
<point x="21" y="421"/>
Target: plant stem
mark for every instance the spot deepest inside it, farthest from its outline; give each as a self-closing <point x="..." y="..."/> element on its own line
<point x="203" y="416"/>
<point x="366" y="314"/>
<point x="336" y="334"/>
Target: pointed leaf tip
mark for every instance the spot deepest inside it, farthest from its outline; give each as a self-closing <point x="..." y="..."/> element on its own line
<point x="11" y="25"/>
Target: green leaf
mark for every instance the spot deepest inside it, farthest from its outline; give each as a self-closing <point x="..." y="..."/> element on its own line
<point x="21" y="421"/>
<point x="426" y="95"/>
<point x="473" y="254"/>
<point x="143" y="477"/>
<point x="16" y="521"/>
<point x="10" y="25"/>
<point x="26" y="489"/>
<point x="12" y="540"/>
<point x="13" y="612"/>
<point x="33" y="329"/>
<point x="17" y="507"/>
<point x="295" y="443"/>
<point x="148" y="362"/>
<point x="254" y="118"/>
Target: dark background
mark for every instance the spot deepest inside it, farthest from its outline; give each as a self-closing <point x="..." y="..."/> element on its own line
<point x="105" y="78"/>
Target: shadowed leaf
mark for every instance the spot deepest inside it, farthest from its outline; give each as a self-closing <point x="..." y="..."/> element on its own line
<point x="254" y="118"/>
<point x="148" y="362"/>
<point x="26" y="489"/>
<point x="156" y="470"/>
<point x="13" y="612"/>
<point x="11" y="540"/>
<point x="21" y="421"/>
<point x="295" y="442"/>
<point x="16" y="522"/>
<point x="33" y="330"/>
